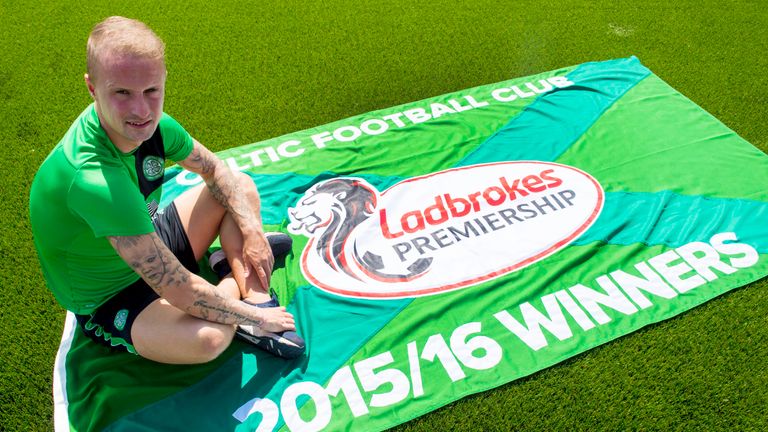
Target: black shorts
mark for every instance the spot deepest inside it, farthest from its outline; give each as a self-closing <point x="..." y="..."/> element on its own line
<point x="110" y="324"/>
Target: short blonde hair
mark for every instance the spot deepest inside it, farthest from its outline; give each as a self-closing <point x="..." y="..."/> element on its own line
<point x="122" y="36"/>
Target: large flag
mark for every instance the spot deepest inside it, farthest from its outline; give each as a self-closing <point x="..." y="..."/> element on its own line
<point x="451" y="245"/>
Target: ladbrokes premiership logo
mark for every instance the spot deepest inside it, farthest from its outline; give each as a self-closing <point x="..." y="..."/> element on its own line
<point x="443" y="231"/>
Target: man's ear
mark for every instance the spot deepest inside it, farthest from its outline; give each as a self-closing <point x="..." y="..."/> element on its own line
<point x="89" y="84"/>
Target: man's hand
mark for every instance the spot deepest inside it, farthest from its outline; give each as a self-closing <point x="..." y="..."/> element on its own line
<point x="257" y="258"/>
<point x="277" y="320"/>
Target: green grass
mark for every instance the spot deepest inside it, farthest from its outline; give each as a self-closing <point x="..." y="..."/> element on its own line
<point x="244" y="72"/>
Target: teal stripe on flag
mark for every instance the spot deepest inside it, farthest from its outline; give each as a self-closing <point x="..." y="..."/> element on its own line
<point x="667" y="218"/>
<point x="548" y="126"/>
<point x="277" y="191"/>
<point x="650" y="218"/>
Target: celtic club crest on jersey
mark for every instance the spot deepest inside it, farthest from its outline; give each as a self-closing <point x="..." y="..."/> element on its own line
<point x="153" y="167"/>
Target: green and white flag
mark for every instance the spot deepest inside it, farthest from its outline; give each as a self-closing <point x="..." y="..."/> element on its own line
<point x="448" y="246"/>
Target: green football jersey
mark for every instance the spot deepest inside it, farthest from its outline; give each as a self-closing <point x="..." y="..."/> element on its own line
<point x="86" y="190"/>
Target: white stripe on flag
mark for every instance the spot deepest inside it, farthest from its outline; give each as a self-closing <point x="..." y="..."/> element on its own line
<point x="60" y="403"/>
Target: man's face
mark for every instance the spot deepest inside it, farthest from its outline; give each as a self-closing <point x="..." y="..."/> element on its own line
<point x="129" y="93"/>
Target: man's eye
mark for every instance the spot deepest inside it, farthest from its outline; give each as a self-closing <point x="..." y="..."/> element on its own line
<point x="122" y="92"/>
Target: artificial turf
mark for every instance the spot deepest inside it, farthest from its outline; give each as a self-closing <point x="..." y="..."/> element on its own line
<point x="241" y="72"/>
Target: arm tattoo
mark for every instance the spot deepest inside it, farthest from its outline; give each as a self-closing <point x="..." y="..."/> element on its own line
<point x="151" y="259"/>
<point x="224" y="190"/>
<point x="224" y="313"/>
<point x="223" y="185"/>
<point x="203" y="164"/>
<point x="155" y="263"/>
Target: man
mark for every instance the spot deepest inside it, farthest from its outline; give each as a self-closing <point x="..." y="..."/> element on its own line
<point x="125" y="269"/>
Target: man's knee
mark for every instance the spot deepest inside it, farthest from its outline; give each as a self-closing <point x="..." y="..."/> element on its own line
<point x="244" y="180"/>
<point x="212" y="341"/>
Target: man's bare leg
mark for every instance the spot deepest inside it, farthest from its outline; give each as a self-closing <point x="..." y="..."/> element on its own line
<point x="166" y="334"/>
<point x="163" y="333"/>
<point x="231" y="238"/>
<point x="232" y="245"/>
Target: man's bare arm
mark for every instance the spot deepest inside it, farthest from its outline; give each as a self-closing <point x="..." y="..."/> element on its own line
<point x="224" y="186"/>
<point x="242" y="203"/>
<point x="155" y="263"/>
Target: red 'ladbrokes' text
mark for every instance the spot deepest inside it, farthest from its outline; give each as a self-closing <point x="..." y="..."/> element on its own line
<point x="446" y="207"/>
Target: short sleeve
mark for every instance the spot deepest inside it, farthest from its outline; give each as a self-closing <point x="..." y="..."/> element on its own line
<point x="177" y="141"/>
<point x="107" y="200"/>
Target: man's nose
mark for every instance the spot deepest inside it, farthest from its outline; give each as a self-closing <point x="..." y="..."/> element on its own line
<point x="141" y="107"/>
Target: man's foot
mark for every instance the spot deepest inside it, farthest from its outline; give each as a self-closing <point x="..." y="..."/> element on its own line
<point x="280" y="244"/>
<point x="287" y="344"/>
<point x="219" y="264"/>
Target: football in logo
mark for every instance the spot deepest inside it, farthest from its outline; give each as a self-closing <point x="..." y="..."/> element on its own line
<point x="443" y="231"/>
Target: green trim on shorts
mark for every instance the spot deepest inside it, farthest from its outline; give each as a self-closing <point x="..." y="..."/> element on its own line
<point x="113" y="340"/>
